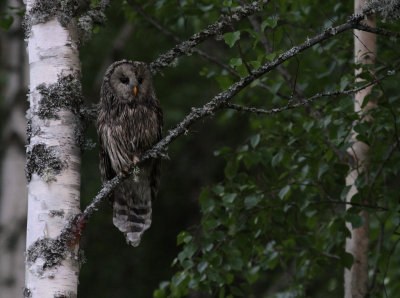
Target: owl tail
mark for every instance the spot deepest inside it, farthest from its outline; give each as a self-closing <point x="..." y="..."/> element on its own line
<point x="132" y="221"/>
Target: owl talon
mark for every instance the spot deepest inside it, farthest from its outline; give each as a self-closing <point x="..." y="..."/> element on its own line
<point x="124" y="172"/>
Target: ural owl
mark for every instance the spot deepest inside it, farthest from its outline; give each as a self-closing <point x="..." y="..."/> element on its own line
<point x="129" y="123"/>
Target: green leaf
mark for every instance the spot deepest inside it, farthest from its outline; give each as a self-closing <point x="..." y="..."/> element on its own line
<point x="251" y="201"/>
<point x="231" y="169"/>
<point x="270" y="22"/>
<point x="254" y="140"/>
<point x="231" y="38"/>
<point x="323" y="167"/>
<point x="202" y="266"/>
<point x="355" y="220"/>
<point x="159" y="293"/>
<point x="184" y="237"/>
<point x="187" y="252"/>
<point x="235" y="62"/>
<point x="284" y="192"/>
<point x="344" y="192"/>
<point x="229" y="198"/>
<point x="6" y="20"/>
<point x="227" y="3"/>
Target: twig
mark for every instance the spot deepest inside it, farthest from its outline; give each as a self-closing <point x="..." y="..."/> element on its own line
<point x="300" y="102"/>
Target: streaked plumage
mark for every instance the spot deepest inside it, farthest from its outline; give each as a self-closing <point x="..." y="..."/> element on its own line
<point x="129" y="123"/>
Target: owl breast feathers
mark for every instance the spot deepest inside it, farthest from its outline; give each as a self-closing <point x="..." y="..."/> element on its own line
<point x="129" y="123"/>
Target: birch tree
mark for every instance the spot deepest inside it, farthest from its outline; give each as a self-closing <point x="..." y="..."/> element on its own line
<point x="55" y="141"/>
<point x="356" y="279"/>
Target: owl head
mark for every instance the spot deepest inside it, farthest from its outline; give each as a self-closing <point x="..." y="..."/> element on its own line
<point x="128" y="82"/>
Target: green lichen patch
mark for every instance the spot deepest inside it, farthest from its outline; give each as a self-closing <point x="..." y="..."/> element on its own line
<point x="66" y="93"/>
<point x="44" y="161"/>
<point x="44" y="10"/>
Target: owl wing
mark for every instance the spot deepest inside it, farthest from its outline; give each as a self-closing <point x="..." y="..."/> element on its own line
<point x="106" y="170"/>
<point x="156" y="171"/>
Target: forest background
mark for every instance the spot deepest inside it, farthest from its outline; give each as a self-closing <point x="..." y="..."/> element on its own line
<point x="251" y="203"/>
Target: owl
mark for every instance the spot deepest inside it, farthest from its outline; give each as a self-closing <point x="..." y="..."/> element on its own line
<point x="129" y="123"/>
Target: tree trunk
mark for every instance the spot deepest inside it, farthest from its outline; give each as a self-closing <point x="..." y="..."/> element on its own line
<point x="13" y="196"/>
<point x="356" y="279"/>
<point x="53" y="153"/>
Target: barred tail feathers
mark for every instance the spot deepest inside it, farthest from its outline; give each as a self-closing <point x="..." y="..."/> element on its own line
<point x="132" y="217"/>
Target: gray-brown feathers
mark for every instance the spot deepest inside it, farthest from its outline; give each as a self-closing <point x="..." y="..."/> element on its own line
<point x="128" y="124"/>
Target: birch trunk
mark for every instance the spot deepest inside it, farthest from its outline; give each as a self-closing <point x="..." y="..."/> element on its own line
<point x="12" y="195"/>
<point x="356" y="279"/>
<point x="54" y="160"/>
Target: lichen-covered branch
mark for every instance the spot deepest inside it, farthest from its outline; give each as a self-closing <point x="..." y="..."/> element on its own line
<point x="379" y="31"/>
<point x="300" y="102"/>
<point x="197" y="51"/>
<point x="92" y="17"/>
<point x="218" y="28"/>
<point x="211" y="107"/>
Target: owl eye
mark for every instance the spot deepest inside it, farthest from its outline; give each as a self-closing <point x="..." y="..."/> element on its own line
<point x="124" y="80"/>
<point x="140" y="80"/>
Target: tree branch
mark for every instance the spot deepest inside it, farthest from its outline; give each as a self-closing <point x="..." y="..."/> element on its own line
<point x="199" y="52"/>
<point x="379" y="31"/>
<point x="300" y="101"/>
<point x="218" y="28"/>
<point x="76" y="225"/>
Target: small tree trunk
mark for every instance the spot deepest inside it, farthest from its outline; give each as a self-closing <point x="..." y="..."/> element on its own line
<point x="53" y="154"/>
<point x="13" y="194"/>
<point x="356" y="279"/>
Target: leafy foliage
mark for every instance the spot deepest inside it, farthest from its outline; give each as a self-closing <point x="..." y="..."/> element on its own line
<point x="278" y="219"/>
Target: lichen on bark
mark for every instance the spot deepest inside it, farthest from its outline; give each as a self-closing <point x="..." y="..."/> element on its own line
<point x="66" y="93"/>
<point x="45" y="161"/>
<point x="52" y="251"/>
<point x="44" y="10"/>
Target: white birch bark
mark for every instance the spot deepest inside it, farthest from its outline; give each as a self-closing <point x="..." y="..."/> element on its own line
<point x="52" y="201"/>
<point x="356" y="279"/>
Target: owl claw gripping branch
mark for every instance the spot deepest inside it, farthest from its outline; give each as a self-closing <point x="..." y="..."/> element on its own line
<point x="129" y="123"/>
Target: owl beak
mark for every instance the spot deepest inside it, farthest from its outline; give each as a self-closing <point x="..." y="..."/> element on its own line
<point x="135" y="90"/>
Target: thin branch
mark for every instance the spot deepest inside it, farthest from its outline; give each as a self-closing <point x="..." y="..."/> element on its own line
<point x="379" y="31"/>
<point x="375" y="207"/>
<point x="218" y="28"/>
<point x="300" y="102"/>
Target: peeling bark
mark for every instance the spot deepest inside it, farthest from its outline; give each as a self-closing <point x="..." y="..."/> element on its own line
<point x="53" y="165"/>
<point x="356" y="279"/>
